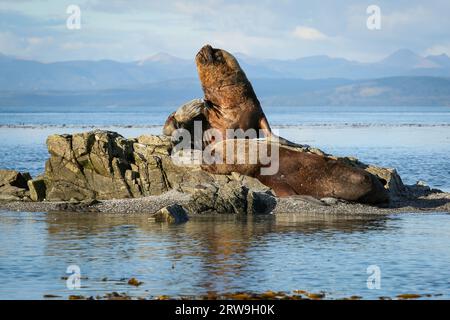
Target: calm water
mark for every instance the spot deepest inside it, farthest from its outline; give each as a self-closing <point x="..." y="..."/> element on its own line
<point x="223" y="255"/>
<point x="282" y="253"/>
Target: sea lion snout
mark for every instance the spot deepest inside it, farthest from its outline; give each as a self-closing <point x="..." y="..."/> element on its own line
<point x="205" y="55"/>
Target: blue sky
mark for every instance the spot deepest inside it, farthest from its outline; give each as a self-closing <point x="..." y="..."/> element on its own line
<point x="132" y="30"/>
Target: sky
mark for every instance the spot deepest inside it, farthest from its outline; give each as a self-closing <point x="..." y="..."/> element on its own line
<point x="130" y="30"/>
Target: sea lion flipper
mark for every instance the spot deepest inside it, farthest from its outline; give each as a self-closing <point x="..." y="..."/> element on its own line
<point x="184" y="116"/>
<point x="189" y="111"/>
<point x="265" y="126"/>
<point x="270" y="136"/>
<point x="274" y="138"/>
<point x="170" y="126"/>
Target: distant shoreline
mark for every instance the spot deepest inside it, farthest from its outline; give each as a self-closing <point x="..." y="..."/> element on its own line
<point x="152" y="126"/>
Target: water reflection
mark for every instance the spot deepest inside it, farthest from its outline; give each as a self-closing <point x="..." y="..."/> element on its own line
<point x="223" y="254"/>
<point x="215" y="251"/>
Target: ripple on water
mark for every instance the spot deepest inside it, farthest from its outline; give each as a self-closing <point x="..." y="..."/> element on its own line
<point x="318" y="253"/>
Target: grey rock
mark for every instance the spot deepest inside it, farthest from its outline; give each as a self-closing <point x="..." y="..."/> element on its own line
<point x="260" y="203"/>
<point x="330" y="201"/>
<point x="172" y="214"/>
<point x="218" y="197"/>
<point x="390" y="179"/>
<point x="88" y="165"/>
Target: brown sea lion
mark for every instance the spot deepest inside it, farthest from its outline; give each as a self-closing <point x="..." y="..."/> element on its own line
<point x="299" y="173"/>
<point x="231" y="102"/>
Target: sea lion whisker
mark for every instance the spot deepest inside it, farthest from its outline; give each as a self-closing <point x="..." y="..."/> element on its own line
<point x="209" y="105"/>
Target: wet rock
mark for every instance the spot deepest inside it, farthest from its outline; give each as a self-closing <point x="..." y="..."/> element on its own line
<point x="221" y="196"/>
<point x="409" y="296"/>
<point x="316" y="296"/>
<point x="421" y="189"/>
<point x="172" y="214"/>
<point x="260" y="202"/>
<point x="134" y="282"/>
<point x="51" y="296"/>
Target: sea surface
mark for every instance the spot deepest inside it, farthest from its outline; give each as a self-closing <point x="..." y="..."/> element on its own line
<point x="229" y="254"/>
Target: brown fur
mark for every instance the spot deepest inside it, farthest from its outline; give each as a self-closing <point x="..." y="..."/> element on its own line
<point x="232" y="101"/>
<point x="302" y="173"/>
<point x="172" y="124"/>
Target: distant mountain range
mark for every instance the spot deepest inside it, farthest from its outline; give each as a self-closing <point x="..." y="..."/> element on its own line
<point x="26" y="75"/>
<point x="401" y="79"/>
<point x="392" y="91"/>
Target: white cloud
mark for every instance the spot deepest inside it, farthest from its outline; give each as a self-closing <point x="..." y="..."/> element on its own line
<point x="308" y="33"/>
<point x="132" y="29"/>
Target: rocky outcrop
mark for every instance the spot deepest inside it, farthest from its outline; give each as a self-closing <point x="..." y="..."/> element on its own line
<point x="103" y="165"/>
<point x="92" y="165"/>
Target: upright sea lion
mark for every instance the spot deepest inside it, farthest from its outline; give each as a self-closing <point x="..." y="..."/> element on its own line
<point x="231" y="103"/>
<point x="230" y="99"/>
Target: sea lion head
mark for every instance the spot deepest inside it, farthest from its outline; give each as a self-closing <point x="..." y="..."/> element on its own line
<point x="217" y="70"/>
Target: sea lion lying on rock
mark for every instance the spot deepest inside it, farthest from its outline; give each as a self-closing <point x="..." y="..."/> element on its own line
<point x="299" y="173"/>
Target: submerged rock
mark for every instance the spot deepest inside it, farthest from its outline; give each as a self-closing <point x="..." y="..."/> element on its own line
<point x="172" y="214"/>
